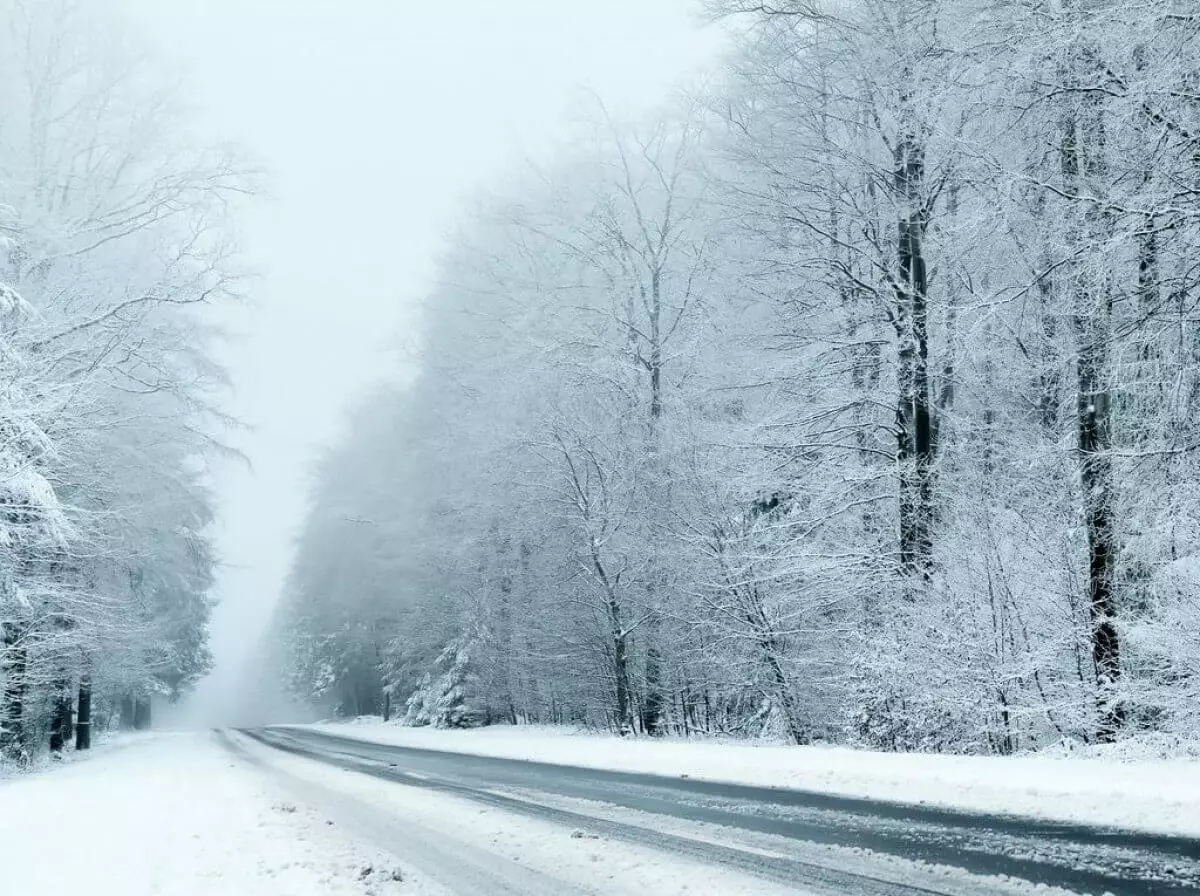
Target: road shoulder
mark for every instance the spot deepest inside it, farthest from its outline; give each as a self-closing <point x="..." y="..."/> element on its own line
<point x="175" y="815"/>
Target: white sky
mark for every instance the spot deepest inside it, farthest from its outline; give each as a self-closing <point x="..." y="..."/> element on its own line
<point x="374" y="118"/>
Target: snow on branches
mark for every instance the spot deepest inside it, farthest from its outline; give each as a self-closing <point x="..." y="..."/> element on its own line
<point x="113" y="234"/>
<point x="854" y="401"/>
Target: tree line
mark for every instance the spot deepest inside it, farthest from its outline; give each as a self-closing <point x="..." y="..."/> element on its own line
<point x="114" y="239"/>
<point x="850" y="399"/>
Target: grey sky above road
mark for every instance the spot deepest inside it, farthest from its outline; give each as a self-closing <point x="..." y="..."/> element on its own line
<point x="375" y="120"/>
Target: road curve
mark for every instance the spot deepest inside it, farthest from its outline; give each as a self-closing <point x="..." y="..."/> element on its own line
<point x="1075" y="858"/>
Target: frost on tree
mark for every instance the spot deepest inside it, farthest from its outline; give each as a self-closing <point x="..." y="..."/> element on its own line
<point x="107" y="408"/>
<point x="853" y="400"/>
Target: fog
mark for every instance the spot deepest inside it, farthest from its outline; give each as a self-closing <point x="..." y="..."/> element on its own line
<point x="374" y="119"/>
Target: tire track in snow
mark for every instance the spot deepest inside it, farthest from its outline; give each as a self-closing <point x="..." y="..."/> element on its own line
<point x="789" y="870"/>
<point x="461" y="867"/>
<point x="1072" y="857"/>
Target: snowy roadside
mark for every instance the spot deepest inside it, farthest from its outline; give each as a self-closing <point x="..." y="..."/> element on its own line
<point x="44" y="762"/>
<point x="1153" y="795"/>
<point x="175" y="815"/>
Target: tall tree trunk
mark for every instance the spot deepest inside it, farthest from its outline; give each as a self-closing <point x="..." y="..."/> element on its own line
<point x="653" y="706"/>
<point x="504" y="635"/>
<point x="1096" y="485"/>
<point x="531" y="696"/>
<point x="913" y="414"/>
<point x="655" y="703"/>
<point x="62" y="715"/>
<point x="127" y="713"/>
<point x="14" y="661"/>
<point x="621" y="671"/>
<point x="141" y="713"/>
<point x="1094" y="433"/>
<point x="83" y="723"/>
<point x="1082" y="154"/>
<point x="620" y="642"/>
<point x="791" y="712"/>
<point x="773" y="647"/>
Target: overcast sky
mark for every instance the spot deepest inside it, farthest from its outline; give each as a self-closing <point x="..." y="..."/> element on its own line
<point x="374" y="119"/>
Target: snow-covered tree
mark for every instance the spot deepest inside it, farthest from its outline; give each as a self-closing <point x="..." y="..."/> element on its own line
<point x="114" y="240"/>
<point x="852" y="400"/>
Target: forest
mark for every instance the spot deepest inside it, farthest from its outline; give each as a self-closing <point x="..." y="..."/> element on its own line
<point x="114" y="240"/>
<point x="850" y="398"/>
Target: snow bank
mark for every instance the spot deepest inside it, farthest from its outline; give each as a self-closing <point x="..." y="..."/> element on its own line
<point x="104" y="743"/>
<point x="1157" y="795"/>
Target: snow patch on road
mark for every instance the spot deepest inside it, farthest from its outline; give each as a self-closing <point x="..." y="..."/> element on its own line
<point x="175" y="815"/>
<point x="1155" y="795"/>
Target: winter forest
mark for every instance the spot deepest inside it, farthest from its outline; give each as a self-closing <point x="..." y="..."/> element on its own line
<point x="852" y="398"/>
<point x="113" y="237"/>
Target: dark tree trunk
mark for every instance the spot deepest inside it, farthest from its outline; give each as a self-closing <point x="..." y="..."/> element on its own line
<point x="655" y="362"/>
<point x="913" y="414"/>
<point x="652" y="708"/>
<point x="1083" y="147"/>
<point x="655" y="703"/>
<point x="127" y="713"/>
<point x="141" y="714"/>
<point x="528" y="689"/>
<point x="13" y="662"/>
<point x="1096" y="485"/>
<point x="1050" y="383"/>
<point x="61" y="721"/>
<point x="83" y="724"/>
<point x="620" y="643"/>
<point x="791" y="715"/>
<point x="504" y="636"/>
<point x="772" y="647"/>
<point x="621" y="671"/>
<point x="387" y="705"/>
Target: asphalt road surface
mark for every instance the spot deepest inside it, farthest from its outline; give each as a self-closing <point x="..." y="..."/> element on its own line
<point x="666" y="813"/>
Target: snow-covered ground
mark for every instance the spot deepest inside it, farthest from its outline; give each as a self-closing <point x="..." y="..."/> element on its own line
<point x="1158" y="795"/>
<point x="176" y="815"/>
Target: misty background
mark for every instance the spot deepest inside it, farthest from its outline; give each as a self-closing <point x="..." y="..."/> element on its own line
<point x="374" y="120"/>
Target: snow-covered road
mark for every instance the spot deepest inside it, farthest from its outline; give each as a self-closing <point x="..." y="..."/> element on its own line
<point x="223" y="813"/>
<point x="207" y="813"/>
<point x="477" y="849"/>
<point x="1113" y="790"/>
<point x="829" y="846"/>
<point x="194" y="814"/>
